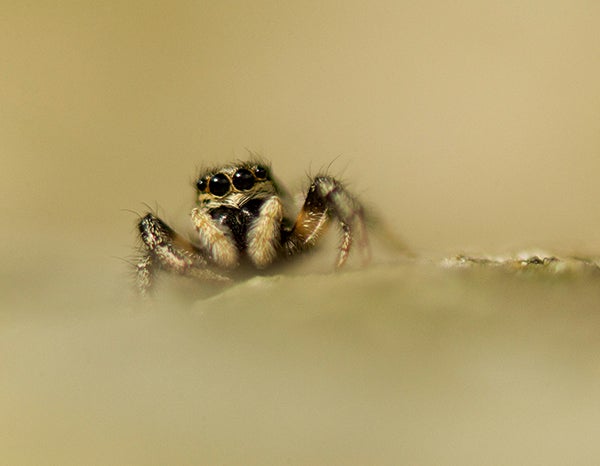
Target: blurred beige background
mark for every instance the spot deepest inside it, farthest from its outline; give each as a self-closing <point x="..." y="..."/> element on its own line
<point x="470" y="125"/>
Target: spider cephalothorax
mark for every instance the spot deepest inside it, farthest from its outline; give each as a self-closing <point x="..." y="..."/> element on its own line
<point x="239" y="217"/>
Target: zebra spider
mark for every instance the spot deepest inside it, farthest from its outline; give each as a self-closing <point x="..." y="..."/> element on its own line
<point x="239" y="219"/>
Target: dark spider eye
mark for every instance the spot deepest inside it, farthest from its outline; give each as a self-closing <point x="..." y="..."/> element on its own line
<point x="260" y="172"/>
<point x="219" y="185"/>
<point x="201" y="184"/>
<point x="243" y="179"/>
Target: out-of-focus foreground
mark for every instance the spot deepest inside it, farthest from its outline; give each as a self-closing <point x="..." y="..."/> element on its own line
<point x="409" y="363"/>
<point x="469" y="127"/>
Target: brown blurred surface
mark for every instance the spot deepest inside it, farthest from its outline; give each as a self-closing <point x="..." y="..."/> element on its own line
<point x="468" y="126"/>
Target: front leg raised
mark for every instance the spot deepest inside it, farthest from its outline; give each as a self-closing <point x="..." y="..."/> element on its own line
<point x="328" y="199"/>
<point x="164" y="249"/>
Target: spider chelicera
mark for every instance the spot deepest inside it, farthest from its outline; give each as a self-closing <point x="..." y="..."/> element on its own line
<point x="239" y="218"/>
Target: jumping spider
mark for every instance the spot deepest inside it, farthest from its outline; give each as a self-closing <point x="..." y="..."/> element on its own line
<point x="239" y="218"/>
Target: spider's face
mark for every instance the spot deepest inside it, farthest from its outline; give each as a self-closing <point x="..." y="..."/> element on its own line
<point x="234" y="185"/>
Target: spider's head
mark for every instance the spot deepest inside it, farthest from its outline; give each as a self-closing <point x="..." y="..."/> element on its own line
<point x="234" y="185"/>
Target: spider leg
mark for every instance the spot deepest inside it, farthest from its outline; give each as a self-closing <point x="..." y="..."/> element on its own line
<point x="145" y="272"/>
<point x="327" y="199"/>
<point x="164" y="249"/>
<point x="264" y="233"/>
<point x="214" y="240"/>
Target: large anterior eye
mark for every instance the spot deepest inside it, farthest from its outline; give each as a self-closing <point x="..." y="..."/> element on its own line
<point x="243" y="179"/>
<point x="219" y="185"/>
